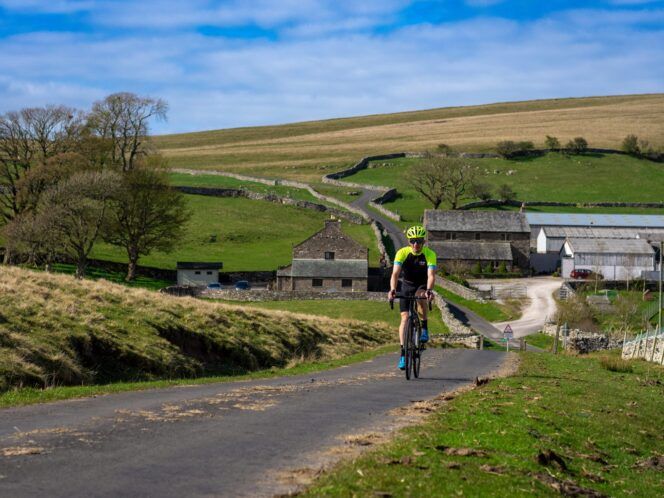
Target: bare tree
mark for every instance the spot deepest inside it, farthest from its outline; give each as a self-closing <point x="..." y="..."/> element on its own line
<point x="29" y="137"/>
<point x="75" y="211"/>
<point x="448" y="179"/>
<point x="147" y="214"/>
<point x="123" y="119"/>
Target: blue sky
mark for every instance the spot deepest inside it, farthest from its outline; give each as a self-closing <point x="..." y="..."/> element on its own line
<point x="231" y="63"/>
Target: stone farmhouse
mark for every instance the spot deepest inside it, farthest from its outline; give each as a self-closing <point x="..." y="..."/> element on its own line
<point x="327" y="261"/>
<point x="465" y="238"/>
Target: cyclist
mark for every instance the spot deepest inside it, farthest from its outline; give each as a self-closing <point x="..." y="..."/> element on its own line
<point x="418" y="264"/>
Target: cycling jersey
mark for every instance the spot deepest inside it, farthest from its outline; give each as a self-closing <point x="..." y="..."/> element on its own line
<point x="414" y="266"/>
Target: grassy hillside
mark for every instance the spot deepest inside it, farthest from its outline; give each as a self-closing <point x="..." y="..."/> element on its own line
<point x="554" y="177"/>
<point x="55" y="330"/>
<point x="562" y="425"/>
<point x="371" y="311"/>
<point x="250" y="235"/>
<point x="308" y="150"/>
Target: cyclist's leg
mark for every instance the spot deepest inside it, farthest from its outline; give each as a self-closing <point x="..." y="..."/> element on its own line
<point x="403" y="308"/>
<point x="423" y="311"/>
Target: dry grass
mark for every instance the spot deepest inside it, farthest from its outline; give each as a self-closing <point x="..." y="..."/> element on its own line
<point x="55" y="330"/>
<point x="615" y="364"/>
<point x="308" y="150"/>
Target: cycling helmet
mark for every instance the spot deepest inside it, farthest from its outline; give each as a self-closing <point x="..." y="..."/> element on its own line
<point x="416" y="232"/>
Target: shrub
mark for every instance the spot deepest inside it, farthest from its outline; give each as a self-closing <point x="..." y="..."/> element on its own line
<point x="502" y="268"/>
<point x="506" y="148"/>
<point x="615" y="364"/>
<point x="488" y="268"/>
<point x="552" y="143"/>
<point x="526" y="145"/>
<point x="445" y="150"/>
<point x="481" y="191"/>
<point x="477" y="268"/>
<point x="630" y="145"/>
<point x="505" y="193"/>
<point x="577" y="145"/>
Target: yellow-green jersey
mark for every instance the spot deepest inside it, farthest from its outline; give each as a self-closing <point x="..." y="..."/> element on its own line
<point x="414" y="267"/>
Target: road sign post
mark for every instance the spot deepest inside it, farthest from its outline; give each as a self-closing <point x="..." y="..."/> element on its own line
<point x="508" y="335"/>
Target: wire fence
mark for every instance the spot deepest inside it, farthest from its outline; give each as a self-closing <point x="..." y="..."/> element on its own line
<point x="647" y="345"/>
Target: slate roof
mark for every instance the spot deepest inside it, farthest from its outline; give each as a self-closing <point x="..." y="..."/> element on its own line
<point x="610" y="246"/>
<point x="334" y="268"/>
<point x="475" y="221"/>
<point x="482" y="251"/>
<point x="597" y="220"/>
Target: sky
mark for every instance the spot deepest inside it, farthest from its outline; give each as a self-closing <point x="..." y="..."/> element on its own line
<point x="223" y="64"/>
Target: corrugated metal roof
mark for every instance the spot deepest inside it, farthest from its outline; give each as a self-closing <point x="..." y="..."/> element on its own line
<point x="475" y="221"/>
<point x="610" y="246"/>
<point x="330" y="268"/>
<point x="485" y="251"/>
<point x="598" y="220"/>
<point x="596" y="233"/>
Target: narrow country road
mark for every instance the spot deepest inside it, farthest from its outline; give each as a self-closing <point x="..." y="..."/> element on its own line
<point x="250" y="438"/>
<point x="393" y="230"/>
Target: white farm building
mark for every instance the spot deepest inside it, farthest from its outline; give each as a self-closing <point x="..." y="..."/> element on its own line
<point x="614" y="259"/>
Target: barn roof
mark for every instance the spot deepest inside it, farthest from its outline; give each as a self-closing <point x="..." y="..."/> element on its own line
<point x="475" y="221"/>
<point x="483" y="251"/>
<point x="610" y="246"/>
<point x="597" y="220"/>
<point x="330" y="268"/>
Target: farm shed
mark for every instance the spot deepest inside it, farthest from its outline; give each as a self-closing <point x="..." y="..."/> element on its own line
<point x="327" y="261"/>
<point x="614" y="259"/>
<point x="636" y="222"/>
<point x="197" y="274"/>
<point x="479" y="236"/>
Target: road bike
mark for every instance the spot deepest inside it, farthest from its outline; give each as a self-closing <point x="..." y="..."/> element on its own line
<point x="413" y="348"/>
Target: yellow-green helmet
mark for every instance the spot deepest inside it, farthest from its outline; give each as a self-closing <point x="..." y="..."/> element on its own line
<point x="416" y="232"/>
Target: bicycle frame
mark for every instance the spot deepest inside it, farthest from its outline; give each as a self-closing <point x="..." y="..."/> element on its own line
<point x="412" y="346"/>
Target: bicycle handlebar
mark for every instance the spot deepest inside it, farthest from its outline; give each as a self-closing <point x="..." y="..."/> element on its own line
<point x="402" y="296"/>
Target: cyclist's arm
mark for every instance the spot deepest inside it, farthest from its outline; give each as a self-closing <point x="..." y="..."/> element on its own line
<point x="399" y="258"/>
<point x="431" y="268"/>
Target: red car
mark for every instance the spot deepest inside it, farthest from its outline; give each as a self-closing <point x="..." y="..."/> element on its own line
<point x="580" y="273"/>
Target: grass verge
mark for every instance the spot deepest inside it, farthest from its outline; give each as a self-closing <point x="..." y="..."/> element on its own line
<point x="561" y="425"/>
<point x="542" y="341"/>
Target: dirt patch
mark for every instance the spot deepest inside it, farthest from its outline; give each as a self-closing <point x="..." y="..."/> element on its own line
<point x="567" y="487"/>
<point x="655" y="462"/>
<point x="21" y="451"/>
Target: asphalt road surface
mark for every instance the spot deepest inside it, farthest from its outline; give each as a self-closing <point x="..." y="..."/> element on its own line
<point x="249" y="438"/>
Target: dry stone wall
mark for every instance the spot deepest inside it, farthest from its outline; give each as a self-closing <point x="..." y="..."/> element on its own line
<point x="274" y="295"/>
<point x="644" y="349"/>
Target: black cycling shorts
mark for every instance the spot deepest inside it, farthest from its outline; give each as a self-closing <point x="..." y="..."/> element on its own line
<point x="408" y="290"/>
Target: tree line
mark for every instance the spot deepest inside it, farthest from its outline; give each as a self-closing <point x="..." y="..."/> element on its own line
<point x="69" y="178"/>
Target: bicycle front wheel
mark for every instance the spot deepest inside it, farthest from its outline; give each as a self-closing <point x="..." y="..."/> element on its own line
<point x="409" y="347"/>
<point x="417" y="351"/>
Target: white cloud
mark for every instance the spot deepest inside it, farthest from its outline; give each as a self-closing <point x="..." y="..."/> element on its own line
<point x="213" y="82"/>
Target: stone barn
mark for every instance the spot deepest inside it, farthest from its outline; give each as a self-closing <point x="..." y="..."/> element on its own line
<point x="485" y="237"/>
<point x="328" y="261"/>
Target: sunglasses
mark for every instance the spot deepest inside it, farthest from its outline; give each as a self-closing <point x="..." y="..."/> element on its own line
<point x="416" y="241"/>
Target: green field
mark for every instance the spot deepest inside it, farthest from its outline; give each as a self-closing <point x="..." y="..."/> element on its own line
<point x="250" y="235"/>
<point x="554" y="177"/>
<point x="367" y="311"/>
<point x="541" y="432"/>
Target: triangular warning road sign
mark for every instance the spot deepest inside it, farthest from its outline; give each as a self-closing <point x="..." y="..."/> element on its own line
<point x="508" y="330"/>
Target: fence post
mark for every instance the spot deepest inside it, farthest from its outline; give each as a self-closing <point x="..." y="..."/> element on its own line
<point x="659" y="319"/>
<point x="481" y="342"/>
<point x="555" y="341"/>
